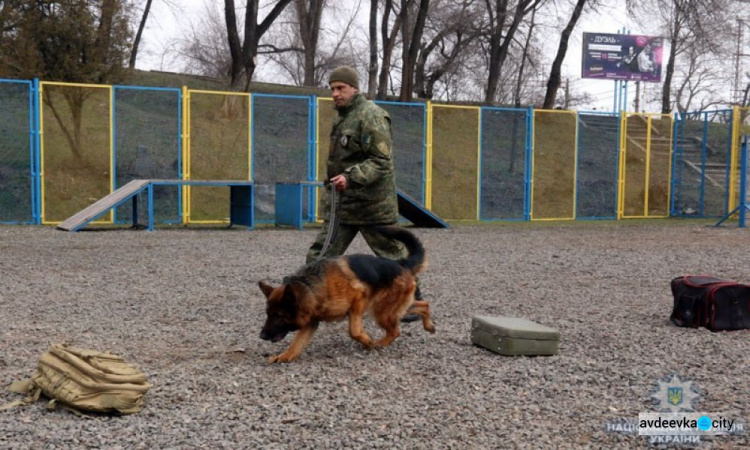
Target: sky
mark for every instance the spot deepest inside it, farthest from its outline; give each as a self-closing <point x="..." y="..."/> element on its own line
<point x="166" y="24"/>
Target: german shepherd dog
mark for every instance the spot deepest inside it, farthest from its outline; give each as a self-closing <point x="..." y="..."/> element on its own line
<point x="331" y="289"/>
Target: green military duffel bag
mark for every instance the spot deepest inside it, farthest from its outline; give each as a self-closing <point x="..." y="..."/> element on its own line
<point x="84" y="381"/>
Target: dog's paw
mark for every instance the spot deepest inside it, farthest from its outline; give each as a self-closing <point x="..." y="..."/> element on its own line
<point x="282" y="358"/>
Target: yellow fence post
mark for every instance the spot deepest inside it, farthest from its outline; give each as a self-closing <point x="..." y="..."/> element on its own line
<point x="185" y="154"/>
<point x="734" y="156"/>
<point x="479" y="160"/>
<point x="428" y="160"/>
<point x="41" y="151"/>
<point x="647" y="180"/>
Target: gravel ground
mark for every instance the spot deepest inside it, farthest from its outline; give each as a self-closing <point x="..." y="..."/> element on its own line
<point x="184" y="306"/>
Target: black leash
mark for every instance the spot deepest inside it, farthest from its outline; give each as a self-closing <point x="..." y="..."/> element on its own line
<point x="333" y="221"/>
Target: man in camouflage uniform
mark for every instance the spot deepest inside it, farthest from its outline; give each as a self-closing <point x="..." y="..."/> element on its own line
<point x="360" y="168"/>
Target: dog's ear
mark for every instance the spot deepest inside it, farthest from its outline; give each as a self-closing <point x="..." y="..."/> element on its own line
<point x="266" y="288"/>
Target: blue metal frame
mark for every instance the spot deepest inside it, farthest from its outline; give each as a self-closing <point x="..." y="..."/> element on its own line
<point x="311" y="128"/>
<point x="526" y="162"/>
<point x="33" y="159"/>
<point x="742" y="207"/>
<point x="179" y="140"/>
<point x="704" y="156"/>
<point x="424" y="136"/>
<point x="528" y="169"/>
<point x="241" y="197"/>
<point x="312" y="157"/>
<point x="616" y="157"/>
<point x="677" y="151"/>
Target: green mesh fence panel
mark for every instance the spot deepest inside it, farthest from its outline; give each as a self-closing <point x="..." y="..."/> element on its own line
<point x="636" y="141"/>
<point x="219" y="150"/>
<point x="15" y="153"/>
<point x="408" y="126"/>
<point x="455" y="171"/>
<point x="660" y="166"/>
<point x="598" y="137"/>
<point x="147" y="146"/>
<point x="76" y="149"/>
<point x="689" y="167"/>
<point x="503" y="164"/>
<point x="553" y="183"/>
<point x="701" y="164"/>
<point x="325" y="115"/>
<point x="280" y="147"/>
<point x="647" y="156"/>
<point x="718" y="157"/>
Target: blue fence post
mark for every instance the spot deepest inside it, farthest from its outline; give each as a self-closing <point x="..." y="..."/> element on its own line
<point x="32" y="152"/>
<point x="112" y="100"/>
<point x="180" y="162"/>
<point x="37" y="155"/>
<point x="704" y="156"/>
<point x="743" y="182"/>
<point x="424" y="153"/>
<point x="479" y="166"/>
<point x="312" y="132"/>
<point x="527" y="163"/>
<point x="676" y="182"/>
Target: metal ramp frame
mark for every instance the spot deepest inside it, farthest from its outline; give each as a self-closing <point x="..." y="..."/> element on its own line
<point x="242" y="208"/>
<point x="289" y="205"/>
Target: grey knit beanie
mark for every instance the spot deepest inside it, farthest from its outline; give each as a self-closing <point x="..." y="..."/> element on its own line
<point x="345" y="74"/>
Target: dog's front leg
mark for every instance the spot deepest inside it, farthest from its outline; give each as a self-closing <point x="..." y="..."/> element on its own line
<point x="356" y="330"/>
<point x="298" y="345"/>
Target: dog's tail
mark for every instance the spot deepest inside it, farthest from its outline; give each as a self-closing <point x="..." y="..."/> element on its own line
<point x="416" y="261"/>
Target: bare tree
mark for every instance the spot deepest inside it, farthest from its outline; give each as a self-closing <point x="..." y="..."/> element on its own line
<point x="500" y="35"/>
<point x="205" y="49"/>
<point x="553" y="84"/>
<point x="411" y="41"/>
<point x="372" y="68"/>
<point x="685" y="23"/>
<point x="388" y="38"/>
<point x="449" y="33"/>
<point x="697" y="82"/>
<point x="138" y="35"/>
<point x="309" y="14"/>
<point x="245" y="54"/>
<point x="524" y="58"/>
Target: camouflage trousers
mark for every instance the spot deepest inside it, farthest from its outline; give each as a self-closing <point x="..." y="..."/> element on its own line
<point x="380" y="245"/>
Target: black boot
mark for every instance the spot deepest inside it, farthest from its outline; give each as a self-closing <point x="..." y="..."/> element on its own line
<point x="413" y="317"/>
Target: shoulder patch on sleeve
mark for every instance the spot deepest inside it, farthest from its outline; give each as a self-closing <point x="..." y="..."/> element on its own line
<point x="384" y="148"/>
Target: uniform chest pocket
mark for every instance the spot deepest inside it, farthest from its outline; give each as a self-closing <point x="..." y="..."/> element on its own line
<point x="349" y="141"/>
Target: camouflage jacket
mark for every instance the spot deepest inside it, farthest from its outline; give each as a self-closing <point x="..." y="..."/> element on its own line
<point x="361" y="149"/>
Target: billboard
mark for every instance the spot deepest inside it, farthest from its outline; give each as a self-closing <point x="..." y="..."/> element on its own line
<point x="622" y="57"/>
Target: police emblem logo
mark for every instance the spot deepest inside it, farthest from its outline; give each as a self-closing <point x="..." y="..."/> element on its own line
<point x="674" y="395"/>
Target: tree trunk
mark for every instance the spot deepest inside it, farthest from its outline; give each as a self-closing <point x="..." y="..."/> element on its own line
<point x="137" y="40"/>
<point x="500" y="43"/>
<point x="413" y="42"/>
<point x="372" y="71"/>
<point x="309" y="13"/>
<point x="666" y="93"/>
<point x="524" y="56"/>
<point x="554" y="77"/>
<point x="389" y="43"/>
<point x="235" y="48"/>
